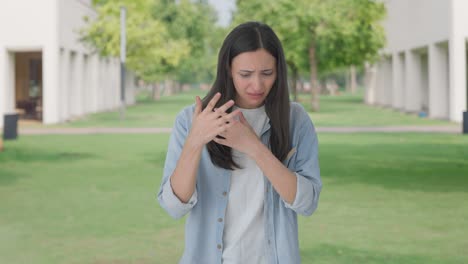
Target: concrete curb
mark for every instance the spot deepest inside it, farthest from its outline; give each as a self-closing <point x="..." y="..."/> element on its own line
<point x="149" y="130"/>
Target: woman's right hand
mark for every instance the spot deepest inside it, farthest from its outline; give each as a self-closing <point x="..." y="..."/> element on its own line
<point x="210" y="122"/>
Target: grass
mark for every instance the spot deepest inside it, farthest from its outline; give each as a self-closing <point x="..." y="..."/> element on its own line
<point x="387" y="198"/>
<point x="349" y="110"/>
<point x="343" y="110"/>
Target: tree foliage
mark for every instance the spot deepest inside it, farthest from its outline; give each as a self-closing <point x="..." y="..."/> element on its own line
<point x="321" y="35"/>
<point x="165" y="38"/>
<point x="194" y="22"/>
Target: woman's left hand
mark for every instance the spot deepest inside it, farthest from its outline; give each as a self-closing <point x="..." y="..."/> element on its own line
<point x="240" y="136"/>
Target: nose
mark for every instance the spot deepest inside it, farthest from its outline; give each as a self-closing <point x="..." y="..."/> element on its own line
<point x="257" y="83"/>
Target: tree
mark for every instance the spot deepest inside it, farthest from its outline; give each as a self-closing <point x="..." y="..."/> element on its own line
<point x="285" y="26"/>
<point x="333" y="33"/>
<point x="150" y="49"/>
<point x="195" y="22"/>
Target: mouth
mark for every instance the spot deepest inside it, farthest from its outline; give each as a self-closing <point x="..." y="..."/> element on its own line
<point x="256" y="95"/>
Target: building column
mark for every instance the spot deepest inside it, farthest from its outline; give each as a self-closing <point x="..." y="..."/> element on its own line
<point x="115" y="83"/>
<point x="438" y="81"/>
<point x="3" y="82"/>
<point x="387" y="82"/>
<point x="116" y="69"/>
<point x="380" y="82"/>
<point x="102" y="85"/>
<point x="94" y="82"/>
<point x="424" y="80"/>
<point x="457" y="95"/>
<point x="86" y="105"/>
<point x="370" y="83"/>
<point x="457" y="61"/>
<point x="413" y="87"/>
<point x="398" y="67"/>
<point x="7" y="83"/>
<point x="64" y="84"/>
<point x="85" y="85"/>
<point x="72" y="85"/>
<point x="78" y="85"/>
<point x="50" y="91"/>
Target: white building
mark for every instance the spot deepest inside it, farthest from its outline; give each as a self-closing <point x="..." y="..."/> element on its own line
<point x="424" y="65"/>
<point x="45" y="72"/>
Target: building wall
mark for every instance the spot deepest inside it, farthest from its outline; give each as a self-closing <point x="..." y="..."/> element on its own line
<point x="413" y="24"/>
<point x="24" y="27"/>
<point x="75" y="80"/>
<point x="27" y="24"/>
<point x="427" y="41"/>
<point x="71" y="16"/>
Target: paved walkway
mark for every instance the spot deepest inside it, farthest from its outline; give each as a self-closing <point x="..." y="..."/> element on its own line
<point x="143" y="130"/>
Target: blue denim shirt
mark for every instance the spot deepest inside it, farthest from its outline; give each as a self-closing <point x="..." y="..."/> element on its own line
<point x="207" y="206"/>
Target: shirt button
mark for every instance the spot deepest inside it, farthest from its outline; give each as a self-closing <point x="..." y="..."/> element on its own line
<point x="269" y="242"/>
<point x="220" y="220"/>
<point x="219" y="246"/>
<point x="224" y="193"/>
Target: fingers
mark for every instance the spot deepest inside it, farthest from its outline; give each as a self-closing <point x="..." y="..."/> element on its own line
<point x="242" y="119"/>
<point x="231" y="116"/>
<point x="225" y="119"/>
<point x="212" y="103"/>
<point x="198" y="105"/>
<point x="220" y="141"/>
<point x="222" y="110"/>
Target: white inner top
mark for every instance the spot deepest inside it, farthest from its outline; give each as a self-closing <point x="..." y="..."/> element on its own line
<point x="244" y="232"/>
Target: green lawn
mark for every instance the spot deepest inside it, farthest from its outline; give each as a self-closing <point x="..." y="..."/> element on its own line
<point x="349" y="110"/>
<point x="344" y="110"/>
<point x="387" y="198"/>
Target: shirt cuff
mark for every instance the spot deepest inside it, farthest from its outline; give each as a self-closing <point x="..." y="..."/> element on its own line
<point x="301" y="183"/>
<point x="174" y="204"/>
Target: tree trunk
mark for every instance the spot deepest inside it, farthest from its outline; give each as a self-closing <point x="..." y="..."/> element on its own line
<point x="348" y="81"/>
<point x="353" y="79"/>
<point x="156" y="92"/>
<point x="314" y="87"/>
<point x="168" y="87"/>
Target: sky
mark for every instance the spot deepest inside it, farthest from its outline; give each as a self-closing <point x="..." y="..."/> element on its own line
<point x="224" y="8"/>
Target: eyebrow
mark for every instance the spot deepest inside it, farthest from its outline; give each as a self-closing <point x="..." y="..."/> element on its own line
<point x="250" y="71"/>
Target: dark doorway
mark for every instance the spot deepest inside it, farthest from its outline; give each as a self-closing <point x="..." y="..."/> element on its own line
<point x="29" y="85"/>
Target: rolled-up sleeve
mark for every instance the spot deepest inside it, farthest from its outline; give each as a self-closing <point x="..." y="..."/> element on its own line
<point x="166" y="197"/>
<point x="307" y="170"/>
<point x="172" y="204"/>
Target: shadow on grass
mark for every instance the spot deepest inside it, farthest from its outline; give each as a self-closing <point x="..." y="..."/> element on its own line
<point x="155" y="158"/>
<point x="167" y="101"/>
<point x="14" y="156"/>
<point x="416" y="167"/>
<point x="8" y="176"/>
<point x="326" y="253"/>
<point x="34" y="155"/>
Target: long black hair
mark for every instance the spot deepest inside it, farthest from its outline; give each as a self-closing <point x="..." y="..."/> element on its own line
<point x="246" y="37"/>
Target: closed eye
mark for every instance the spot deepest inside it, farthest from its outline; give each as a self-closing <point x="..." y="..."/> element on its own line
<point x="267" y="72"/>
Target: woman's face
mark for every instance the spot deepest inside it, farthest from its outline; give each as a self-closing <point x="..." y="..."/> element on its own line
<point x="253" y="74"/>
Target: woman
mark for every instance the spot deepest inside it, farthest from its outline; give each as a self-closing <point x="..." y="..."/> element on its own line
<point x="243" y="161"/>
